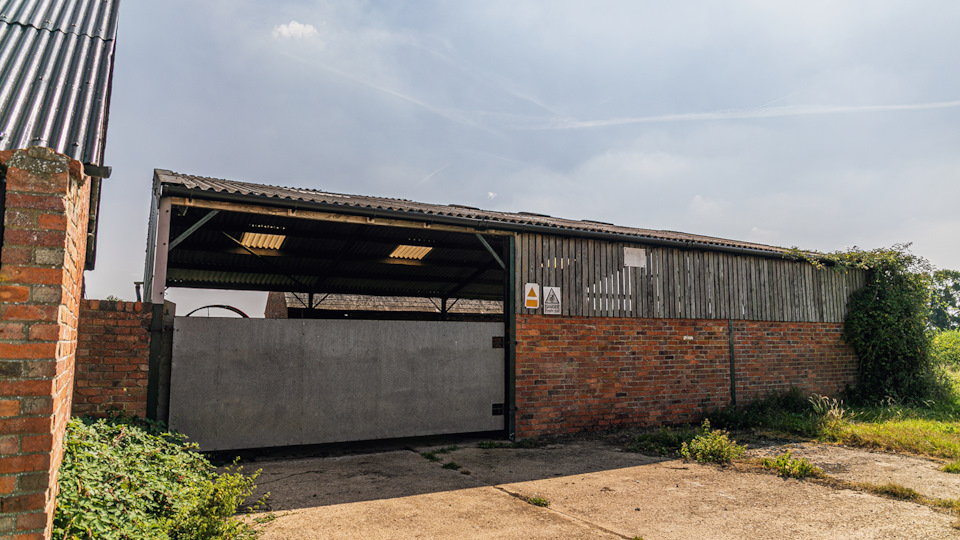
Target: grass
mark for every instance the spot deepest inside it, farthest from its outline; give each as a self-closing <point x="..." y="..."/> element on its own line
<point x="953" y="468"/>
<point x="453" y="465"/>
<point x="893" y="491"/>
<point x="536" y="501"/>
<point x="664" y="441"/>
<point x="525" y="443"/>
<point x="434" y="455"/>
<point x="930" y="429"/>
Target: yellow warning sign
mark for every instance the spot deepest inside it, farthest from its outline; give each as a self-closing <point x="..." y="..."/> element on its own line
<point x="531" y="295"/>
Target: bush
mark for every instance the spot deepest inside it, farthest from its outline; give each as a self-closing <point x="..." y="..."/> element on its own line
<point x="128" y="478"/>
<point x="946" y="348"/>
<point x="712" y="446"/>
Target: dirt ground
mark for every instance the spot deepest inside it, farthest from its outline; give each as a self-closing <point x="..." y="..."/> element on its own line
<point x="594" y="490"/>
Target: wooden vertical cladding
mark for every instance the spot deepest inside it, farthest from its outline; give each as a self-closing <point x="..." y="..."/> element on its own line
<point x="680" y="283"/>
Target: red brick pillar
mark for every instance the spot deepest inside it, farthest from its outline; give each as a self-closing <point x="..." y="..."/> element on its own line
<point x="41" y="275"/>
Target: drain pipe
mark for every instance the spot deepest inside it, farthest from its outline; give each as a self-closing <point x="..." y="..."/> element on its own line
<point x="733" y="367"/>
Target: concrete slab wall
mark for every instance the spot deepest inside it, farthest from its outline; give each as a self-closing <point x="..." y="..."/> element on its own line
<point x="248" y="383"/>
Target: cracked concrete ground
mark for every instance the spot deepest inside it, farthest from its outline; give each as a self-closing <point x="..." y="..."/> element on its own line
<point x="594" y="491"/>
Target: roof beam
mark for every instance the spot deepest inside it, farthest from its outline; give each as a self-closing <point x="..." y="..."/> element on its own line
<point x="193" y="228"/>
<point x="314" y="215"/>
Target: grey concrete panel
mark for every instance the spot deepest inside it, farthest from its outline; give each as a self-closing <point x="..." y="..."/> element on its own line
<point x="247" y="383"/>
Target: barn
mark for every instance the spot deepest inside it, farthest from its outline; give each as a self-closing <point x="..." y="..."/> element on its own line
<point x="513" y="324"/>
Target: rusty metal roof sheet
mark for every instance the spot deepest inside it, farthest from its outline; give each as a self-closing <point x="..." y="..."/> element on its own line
<point x="56" y="69"/>
<point x="219" y="189"/>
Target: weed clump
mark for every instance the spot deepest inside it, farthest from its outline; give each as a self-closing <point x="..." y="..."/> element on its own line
<point x="894" y="491"/>
<point x="712" y="446"/>
<point x="788" y="467"/>
<point x="434" y="455"/>
<point x="953" y="468"/>
<point x="537" y="501"/>
<point x="128" y="478"/>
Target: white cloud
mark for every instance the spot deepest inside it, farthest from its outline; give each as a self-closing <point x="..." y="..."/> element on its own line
<point x="294" y="30"/>
<point x="491" y="195"/>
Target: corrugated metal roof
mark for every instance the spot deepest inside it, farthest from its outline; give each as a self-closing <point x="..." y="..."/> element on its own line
<point x="56" y="68"/>
<point x="211" y="187"/>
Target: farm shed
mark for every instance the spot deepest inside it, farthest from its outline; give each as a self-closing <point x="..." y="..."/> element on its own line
<point x="599" y="325"/>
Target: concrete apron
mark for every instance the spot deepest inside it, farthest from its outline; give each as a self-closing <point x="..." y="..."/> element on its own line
<point x="594" y="491"/>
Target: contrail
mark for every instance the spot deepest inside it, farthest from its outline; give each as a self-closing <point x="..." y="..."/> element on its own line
<point x="741" y="114"/>
<point x="389" y="91"/>
<point x="434" y="173"/>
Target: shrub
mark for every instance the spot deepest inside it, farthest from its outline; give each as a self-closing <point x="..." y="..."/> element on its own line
<point x="712" y="446"/>
<point x="128" y="478"/>
<point x="789" y="467"/>
<point x="946" y="348"/>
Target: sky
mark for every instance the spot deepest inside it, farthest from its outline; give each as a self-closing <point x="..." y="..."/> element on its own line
<point x="822" y="125"/>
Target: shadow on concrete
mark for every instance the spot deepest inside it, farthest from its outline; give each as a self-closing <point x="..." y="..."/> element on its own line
<point x="348" y="474"/>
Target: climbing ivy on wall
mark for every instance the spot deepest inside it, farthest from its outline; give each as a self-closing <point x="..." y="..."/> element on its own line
<point x="886" y="321"/>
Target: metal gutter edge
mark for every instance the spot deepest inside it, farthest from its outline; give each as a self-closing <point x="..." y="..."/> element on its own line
<point x="479" y="224"/>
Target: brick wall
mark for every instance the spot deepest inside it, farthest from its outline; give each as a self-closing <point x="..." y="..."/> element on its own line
<point x="41" y="273"/>
<point x="112" y="358"/>
<point x="578" y="373"/>
<point x="276" y="307"/>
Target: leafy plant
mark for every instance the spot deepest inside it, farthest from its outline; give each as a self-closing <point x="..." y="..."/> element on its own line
<point x="128" y="478"/>
<point x="788" y="467"/>
<point x="452" y="465"/>
<point x="712" y="446"/>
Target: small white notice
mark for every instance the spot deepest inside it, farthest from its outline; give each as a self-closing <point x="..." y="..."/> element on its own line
<point x="531" y="296"/>
<point x="551" y="300"/>
<point x="635" y="257"/>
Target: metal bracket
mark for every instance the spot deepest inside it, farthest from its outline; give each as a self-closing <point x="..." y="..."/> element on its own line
<point x="492" y="252"/>
<point x="193" y="228"/>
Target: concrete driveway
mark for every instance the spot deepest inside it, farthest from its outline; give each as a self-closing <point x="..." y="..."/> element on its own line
<point x="594" y="490"/>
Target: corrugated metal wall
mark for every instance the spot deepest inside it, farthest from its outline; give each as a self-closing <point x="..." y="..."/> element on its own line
<point x="595" y="281"/>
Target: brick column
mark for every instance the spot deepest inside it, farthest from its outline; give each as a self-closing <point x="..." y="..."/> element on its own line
<point x="41" y="275"/>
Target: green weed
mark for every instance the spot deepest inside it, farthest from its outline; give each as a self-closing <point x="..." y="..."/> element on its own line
<point x="788" y="467"/>
<point x="537" y="501"/>
<point x="712" y="446"/>
<point x="953" y="468"/>
<point x="434" y="455"/>
<point x="452" y="466"/>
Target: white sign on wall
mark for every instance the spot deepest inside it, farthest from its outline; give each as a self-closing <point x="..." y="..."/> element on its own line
<point x="551" y="300"/>
<point x="531" y="296"/>
<point x="635" y="257"/>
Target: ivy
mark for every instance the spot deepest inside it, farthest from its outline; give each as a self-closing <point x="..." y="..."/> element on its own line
<point x="887" y="321"/>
